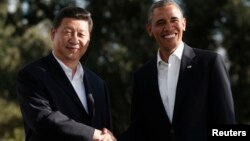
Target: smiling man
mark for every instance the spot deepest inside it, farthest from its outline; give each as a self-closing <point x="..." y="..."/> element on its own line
<point x="181" y="92"/>
<point x="61" y="99"/>
<point x="166" y="24"/>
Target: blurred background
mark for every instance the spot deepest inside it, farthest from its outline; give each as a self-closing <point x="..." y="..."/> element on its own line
<point x="120" y="45"/>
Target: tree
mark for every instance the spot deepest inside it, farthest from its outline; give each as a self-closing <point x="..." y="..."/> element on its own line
<point x="10" y="118"/>
<point x="236" y="33"/>
<point x="119" y="45"/>
<point x="18" y="47"/>
<point x="203" y="22"/>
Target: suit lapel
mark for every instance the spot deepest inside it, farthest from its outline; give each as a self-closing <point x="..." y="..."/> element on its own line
<point x="153" y="79"/>
<point x="187" y="63"/>
<point x="62" y="80"/>
<point x="89" y="95"/>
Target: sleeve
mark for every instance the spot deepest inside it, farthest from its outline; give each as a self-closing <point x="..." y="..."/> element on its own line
<point x="108" y="112"/>
<point x="222" y="105"/>
<point x="38" y="115"/>
<point x="135" y="130"/>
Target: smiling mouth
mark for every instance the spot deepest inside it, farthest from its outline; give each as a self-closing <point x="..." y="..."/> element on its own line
<point x="72" y="47"/>
<point x="169" y="36"/>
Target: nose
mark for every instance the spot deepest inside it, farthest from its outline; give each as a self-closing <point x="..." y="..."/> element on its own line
<point x="74" y="39"/>
<point x="167" y="26"/>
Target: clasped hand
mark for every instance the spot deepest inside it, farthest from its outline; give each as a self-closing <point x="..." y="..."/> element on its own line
<point x="103" y="135"/>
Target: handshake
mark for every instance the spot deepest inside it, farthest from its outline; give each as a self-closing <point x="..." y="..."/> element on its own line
<point x="103" y="135"/>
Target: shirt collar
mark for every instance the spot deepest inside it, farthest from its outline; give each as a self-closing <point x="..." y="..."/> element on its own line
<point x="178" y="53"/>
<point x="68" y="71"/>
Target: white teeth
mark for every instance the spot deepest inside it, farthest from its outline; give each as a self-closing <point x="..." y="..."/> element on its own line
<point x="169" y="36"/>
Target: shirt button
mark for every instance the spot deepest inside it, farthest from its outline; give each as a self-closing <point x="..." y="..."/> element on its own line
<point x="171" y="131"/>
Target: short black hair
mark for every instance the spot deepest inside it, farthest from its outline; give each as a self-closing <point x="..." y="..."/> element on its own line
<point x="72" y="12"/>
<point x="162" y="3"/>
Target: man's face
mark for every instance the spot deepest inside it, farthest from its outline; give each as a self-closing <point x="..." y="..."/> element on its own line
<point x="167" y="27"/>
<point x="71" y="39"/>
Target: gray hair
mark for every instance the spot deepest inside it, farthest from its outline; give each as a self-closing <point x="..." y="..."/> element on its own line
<point x="162" y="3"/>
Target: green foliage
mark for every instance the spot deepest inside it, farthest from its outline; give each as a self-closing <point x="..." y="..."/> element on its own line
<point x="16" y="51"/>
<point x="236" y="27"/>
<point x="119" y="45"/>
<point x="16" y="135"/>
<point x="10" y="121"/>
<point x="202" y="22"/>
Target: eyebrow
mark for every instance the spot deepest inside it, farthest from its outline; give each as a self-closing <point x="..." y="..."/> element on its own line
<point x="172" y="18"/>
<point x="175" y="18"/>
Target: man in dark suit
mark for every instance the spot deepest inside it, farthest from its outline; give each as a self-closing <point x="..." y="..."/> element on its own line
<point x="59" y="98"/>
<point x="182" y="92"/>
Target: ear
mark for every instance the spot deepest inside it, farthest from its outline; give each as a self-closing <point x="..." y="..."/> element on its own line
<point x="184" y="24"/>
<point x="52" y="33"/>
<point x="149" y="29"/>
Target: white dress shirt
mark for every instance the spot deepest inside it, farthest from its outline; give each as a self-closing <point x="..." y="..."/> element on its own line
<point x="76" y="80"/>
<point x="168" y="73"/>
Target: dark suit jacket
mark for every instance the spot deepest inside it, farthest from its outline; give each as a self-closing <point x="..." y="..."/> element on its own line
<point x="203" y="99"/>
<point x="51" y="108"/>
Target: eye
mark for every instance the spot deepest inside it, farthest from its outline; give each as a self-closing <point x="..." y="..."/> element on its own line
<point x="81" y="35"/>
<point x="160" y="23"/>
<point x="67" y="32"/>
<point x="174" y="20"/>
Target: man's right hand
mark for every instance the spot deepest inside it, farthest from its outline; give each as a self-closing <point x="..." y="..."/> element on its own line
<point x="104" y="135"/>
